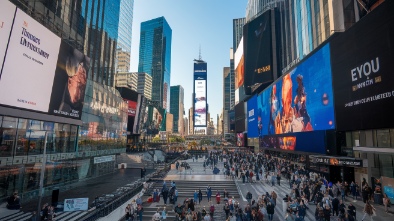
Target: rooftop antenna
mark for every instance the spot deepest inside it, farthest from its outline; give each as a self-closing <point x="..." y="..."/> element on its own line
<point x="199" y="53"/>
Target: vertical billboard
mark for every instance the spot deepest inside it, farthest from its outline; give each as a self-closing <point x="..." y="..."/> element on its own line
<point x="200" y="94"/>
<point x="7" y="13"/>
<point x="240" y="140"/>
<point x="362" y="65"/>
<point x="254" y="119"/>
<point x="300" y="101"/>
<point x="258" y="66"/>
<point x="239" y="73"/>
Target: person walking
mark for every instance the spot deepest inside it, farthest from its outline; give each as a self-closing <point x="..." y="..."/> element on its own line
<point x="386" y="202"/>
<point x="164" y="193"/>
<point x="209" y="193"/>
<point x="127" y="211"/>
<point x="369" y="210"/>
<point x="156" y="216"/>
<point x="140" y="211"/>
<point x="270" y="211"/>
<point x="195" y="196"/>
<point x="164" y="214"/>
<point x="249" y="197"/>
<point x="199" y="196"/>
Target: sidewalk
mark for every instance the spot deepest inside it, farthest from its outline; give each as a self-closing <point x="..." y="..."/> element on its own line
<point x="259" y="188"/>
<point x="91" y="188"/>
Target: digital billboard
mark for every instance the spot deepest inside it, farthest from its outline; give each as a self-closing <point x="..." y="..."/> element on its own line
<point x="258" y="66"/>
<point x="300" y="101"/>
<point x="240" y="140"/>
<point x="254" y="121"/>
<point x="132" y="106"/>
<point x="200" y="94"/>
<point x="7" y="12"/>
<point x="279" y="142"/>
<point x="239" y="65"/>
<point x="40" y="72"/>
<point x="29" y="66"/>
<point x="362" y="66"/>
<point x="153" y="119"/>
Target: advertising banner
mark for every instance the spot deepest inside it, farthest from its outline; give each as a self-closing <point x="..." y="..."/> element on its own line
<point x="239" y="65"/>
<point x="76" y="204"/>
<point x="338" y="161"/>
<point x="200" y="94"/>
<point x="284" y="143"/>
<point x="254" y="121"/>
<point x="258" y="51"/>
<point x="362" y="66"/>
<point x="300" y="101"/>
<point x="7" y="12"/>
<point x="69" y="85"/>
<point x="240" y="140"/>
<point x="29" y="66"/>
<point x="132" y="107"/>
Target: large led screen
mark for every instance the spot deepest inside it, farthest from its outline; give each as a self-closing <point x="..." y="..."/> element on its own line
<point x="300" y="101"/>
<point x="362" y="65"/>
<point x="284" y="143"/>
<point x="153" y="120"/>
<point x="200" y="94"/>
<point x="240" y="140"/>
<point x="239" y="65"/>
<point x="258" y="51"/>
<point x="7" y="12"/>
<point x="254" y="121"/>
<point x="40" y="72"/>
<point x="29" y="66"/>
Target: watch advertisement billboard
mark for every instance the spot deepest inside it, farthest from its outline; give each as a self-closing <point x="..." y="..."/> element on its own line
<point x="300" y="101"/>
<point x="200" y="94"/>
<point x="40" y="72"/>
<point x="7" y="12"/>
<point x="258" y="51"/>
<point x="29" y="66"/>
<point x="362" y="66"/>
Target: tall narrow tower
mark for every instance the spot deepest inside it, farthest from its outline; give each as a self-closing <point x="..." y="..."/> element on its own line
<point x="200" y="94"/>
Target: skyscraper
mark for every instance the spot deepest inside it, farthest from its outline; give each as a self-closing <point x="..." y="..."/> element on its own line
<point x="200" y="105"/>
<point x="177" y="107"/>
<point x="238" y="25"/>
<point x="226" y="88"/>
<point x="124" y="35"/>
<point x="155" y="57"/>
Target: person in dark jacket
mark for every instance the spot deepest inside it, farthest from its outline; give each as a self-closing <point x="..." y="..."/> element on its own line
<point x="335" y="206"/>
<point x="270" y="211"/>
<point x="199" y="196"/>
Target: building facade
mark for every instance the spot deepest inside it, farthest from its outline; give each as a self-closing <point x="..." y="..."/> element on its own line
<point x="238" y="25"/>
<point x="155" y="57"/>
<point x="83" y="138"/>
<point x="177" y="108"/>
<point x="191" y="121"/>
<point x="145" y="85"/>
<point x="124" y="35"/>
<point x="127" y="79"/>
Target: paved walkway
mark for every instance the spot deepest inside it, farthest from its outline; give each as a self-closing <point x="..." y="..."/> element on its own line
<point x="260" y="188"/>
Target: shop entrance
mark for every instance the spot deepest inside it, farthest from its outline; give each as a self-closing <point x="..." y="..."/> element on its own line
<point x="335" y="174"/>
<point x="348" y="174"/>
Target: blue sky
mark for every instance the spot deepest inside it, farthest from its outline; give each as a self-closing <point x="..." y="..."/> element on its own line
<point x="193" y="22"/>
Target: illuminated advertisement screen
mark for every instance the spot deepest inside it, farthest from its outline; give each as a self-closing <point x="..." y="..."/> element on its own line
<point x="7" y="12"/>
<point x="283" y="143"/>
<point x="200" y="94"/>
<point x="239" y="65"/>
<point x="240" y="140"/>
<point x="29" y="66"/>
<point x="300" y="101"/>
<point x="132" y="106"/>
<point x="254" y="121"/>
<point x="53" y="75"/>
<point x="258" y="51"/>
<point x="363" y="76"/>
<point x="153" y="120"/>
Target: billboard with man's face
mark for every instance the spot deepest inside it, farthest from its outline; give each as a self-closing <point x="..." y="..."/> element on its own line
<point x="200" y="94"/>
<point x="40" y="72"/>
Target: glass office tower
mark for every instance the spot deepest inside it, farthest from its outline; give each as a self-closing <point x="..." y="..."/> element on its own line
<point x="176" y="107"/>
<point x="124" y="35"/>
<point x="155" y="57"/>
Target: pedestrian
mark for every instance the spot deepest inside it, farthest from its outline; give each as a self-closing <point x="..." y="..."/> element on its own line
<point x="270" y="211"/>
<point x="156" y="216"/>
<point x="195" y="196"/>
<point x="386" y="202"/>
<point x="211" y="210"/>
<point x="199" y="196"/>
<point x="140" y="211"/>
<point x="218" y="197"/>
<point x="164" y="193"/>
<point x="128" y="212"/>
<point x="249" y="197"/>
<point x="335" y="206"/>
<point x="278" y="179"/>
<point x="226" y="209"/>
<point x="164" y="214"/>
<point x="369" y="210"/>
<point x="209" y="193"/>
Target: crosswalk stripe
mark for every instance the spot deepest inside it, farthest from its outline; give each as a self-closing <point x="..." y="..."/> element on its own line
<point x="22" y="217"/>
<point x="14" y="215"/>
<point x="77" y="216"/>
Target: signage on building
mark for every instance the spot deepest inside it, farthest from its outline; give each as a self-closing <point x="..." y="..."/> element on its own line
<point x="104" y="159"/>
<point x="363" y="76"/>
<point x="40" y="72"/>
<point x="200" y="94"/>
<point x="76" y="204"/>
<point x="338" y="161"/>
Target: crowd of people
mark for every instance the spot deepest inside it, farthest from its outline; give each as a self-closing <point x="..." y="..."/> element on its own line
<point x="305" y="188"/>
